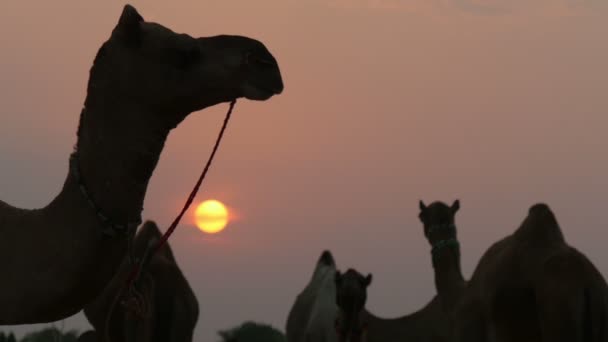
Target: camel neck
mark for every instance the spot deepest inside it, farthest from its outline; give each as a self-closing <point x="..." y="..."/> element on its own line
<point x="448" y="274"/>
<point x="118" y="147"/>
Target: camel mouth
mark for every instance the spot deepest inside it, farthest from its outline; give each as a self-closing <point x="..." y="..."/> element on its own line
<point x="261" y="93"/>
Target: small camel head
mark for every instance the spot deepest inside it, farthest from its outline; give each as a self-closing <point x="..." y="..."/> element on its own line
<point x="351" y="296"/>
<point x="174" y="74"/>
<point x="438" y="220"/>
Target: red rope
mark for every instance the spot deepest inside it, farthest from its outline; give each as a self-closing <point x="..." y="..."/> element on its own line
<point x="165" y="237"/>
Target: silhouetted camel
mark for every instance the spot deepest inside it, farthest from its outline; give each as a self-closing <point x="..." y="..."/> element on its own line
<point x="532" y="286"/>
<point x="429" y="324"/>
<point x="440" y="230"/>
<point x="312" y="316"/>
<point x="145" y="80"/>
<point x="170" y="306"/>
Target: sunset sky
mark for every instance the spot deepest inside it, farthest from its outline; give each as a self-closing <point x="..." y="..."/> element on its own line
<point x="499" y="103"/>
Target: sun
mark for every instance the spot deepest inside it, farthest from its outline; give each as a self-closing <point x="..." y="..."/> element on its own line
<point x="211" y="216"/>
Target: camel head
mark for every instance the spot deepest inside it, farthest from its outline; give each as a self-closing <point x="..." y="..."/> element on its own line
<point x="326" y="259"/>
<point x="172" y="74"/>
<point x="351" y="296"/>
<point x="438" y="221"/>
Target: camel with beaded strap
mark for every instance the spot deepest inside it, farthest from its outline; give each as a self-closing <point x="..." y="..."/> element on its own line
<point x="533" y="286"/>
<point x="439" y="228"/>
<point x="170" y="309"/>
<point x="529" y="286"/>
<point x="429" y="324"/>
<point x="145" y="80"/>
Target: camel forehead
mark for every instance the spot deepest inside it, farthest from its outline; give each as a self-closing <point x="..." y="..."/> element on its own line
<point x="158" y="35"/>
<point x="438" y="208"/>
<point x="352" y="278"/>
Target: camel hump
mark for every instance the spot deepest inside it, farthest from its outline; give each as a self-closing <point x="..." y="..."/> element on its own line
<point x="540" y="225"/>
<point x="327" y="259"/>
<point x="542" y="214"/>
<point x="540" y="209"/>
<point x="149" y="230"/>
<point x="148" y="234"/>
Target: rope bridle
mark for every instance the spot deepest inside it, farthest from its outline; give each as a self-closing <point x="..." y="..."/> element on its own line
<point x="110" y="228"/>
<point x="139" y="265"/>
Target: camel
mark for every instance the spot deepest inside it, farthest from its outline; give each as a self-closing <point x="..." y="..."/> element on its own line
<point x="438" y="220"/>
<point x="357" y="324"/>
<point x="531" y="286"/>
<point x="145" y="80"/>
<point x="171" y="308"/>
<point x="432" y="322"/>
<point x="312" y="316"/>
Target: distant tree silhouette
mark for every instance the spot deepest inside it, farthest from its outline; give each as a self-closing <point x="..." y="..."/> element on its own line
<point x="252" y="332"/>
<point x="50" y="335"/>
<point x="7" y="338"/>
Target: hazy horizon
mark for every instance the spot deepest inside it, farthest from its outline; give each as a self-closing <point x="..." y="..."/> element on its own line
<point x="498" y="103"/>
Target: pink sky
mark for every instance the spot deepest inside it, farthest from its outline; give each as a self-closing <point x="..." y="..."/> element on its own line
<point x="500" y="103"/>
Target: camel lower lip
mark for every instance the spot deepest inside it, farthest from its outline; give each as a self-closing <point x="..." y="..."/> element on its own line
<point x="263" y="94"/>
<point x="260" y="97"/>
<point x="271" y="91"/>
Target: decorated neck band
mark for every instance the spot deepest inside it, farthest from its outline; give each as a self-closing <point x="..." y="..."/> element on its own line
<point x="440" y="245"/>
<point x="110" y="228"/>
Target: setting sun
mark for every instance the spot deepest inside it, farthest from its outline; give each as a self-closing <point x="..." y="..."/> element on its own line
<point x="211" y="216"/>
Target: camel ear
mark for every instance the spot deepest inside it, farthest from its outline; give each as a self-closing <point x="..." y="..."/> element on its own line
<point x="422" y="206"/>
<point x="455" y="206"/>
<point x="422" y="210"/>
<point x="368" y="280"/>
<point x="129" y="24"/>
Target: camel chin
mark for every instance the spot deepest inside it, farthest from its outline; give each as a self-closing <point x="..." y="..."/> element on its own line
<point x="257" y="93"/>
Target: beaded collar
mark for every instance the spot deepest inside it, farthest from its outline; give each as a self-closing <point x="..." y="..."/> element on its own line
<point x="110" y="228"/>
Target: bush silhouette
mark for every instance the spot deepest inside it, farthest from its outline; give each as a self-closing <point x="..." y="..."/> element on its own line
<point x="50" y="335"/>
<point x="252" y="332"/>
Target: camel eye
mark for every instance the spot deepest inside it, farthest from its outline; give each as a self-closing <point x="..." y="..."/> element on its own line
<point x="189" y="57"/>
<point x="251" y="59"/>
